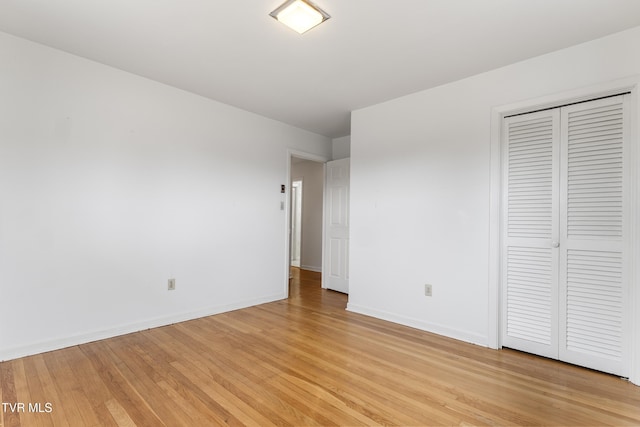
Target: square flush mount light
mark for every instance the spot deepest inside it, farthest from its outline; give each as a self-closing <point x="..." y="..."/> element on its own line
<point x="300" y="15"/>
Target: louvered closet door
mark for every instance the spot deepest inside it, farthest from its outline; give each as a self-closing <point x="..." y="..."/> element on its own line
<point x="564" y="225"/>
<point x="592" y="223"/>
<point x="529" y="260"/>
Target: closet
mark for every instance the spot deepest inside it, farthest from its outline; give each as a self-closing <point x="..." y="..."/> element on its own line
<point x="565" y="228"/>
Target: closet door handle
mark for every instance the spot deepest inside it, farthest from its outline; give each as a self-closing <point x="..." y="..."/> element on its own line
<point x="555" y="244"/>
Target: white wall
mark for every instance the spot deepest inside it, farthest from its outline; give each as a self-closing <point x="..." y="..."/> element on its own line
<point x="110" y="184"/>
<point x="341" y="147"/>
<point x="420" y="187"/>
<point x="312" y="175"/>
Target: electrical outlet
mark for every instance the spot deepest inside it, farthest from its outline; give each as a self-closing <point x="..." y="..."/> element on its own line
<point x="172" y="285"/>
<point x="428" y="291"/>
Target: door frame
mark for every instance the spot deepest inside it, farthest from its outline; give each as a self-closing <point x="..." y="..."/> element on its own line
<point x="630" y="84"/>
<point x="293" y="220"/>
<point x="287" y="206"/>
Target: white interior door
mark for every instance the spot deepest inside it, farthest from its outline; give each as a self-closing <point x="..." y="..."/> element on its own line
<point x="530" y="260"/>
<point x="336" y="254"/>
<point x="593" y="292"/>
<point x="565" y="294"/>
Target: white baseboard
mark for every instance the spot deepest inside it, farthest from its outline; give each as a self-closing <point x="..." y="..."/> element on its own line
<point x="457" y="334"/>
<point x="311" y="268"/>
<point x="63" y="342"/>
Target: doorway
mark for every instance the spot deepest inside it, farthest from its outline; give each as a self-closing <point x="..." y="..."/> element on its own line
<point x="304" y="215"/>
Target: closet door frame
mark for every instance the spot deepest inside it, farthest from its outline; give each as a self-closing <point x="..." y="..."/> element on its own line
<point x="632" y="244"/>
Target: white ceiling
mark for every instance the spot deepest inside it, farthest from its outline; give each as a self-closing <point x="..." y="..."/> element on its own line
<point x="369" y="51"/>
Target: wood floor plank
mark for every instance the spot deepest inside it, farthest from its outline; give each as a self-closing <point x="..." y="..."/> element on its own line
<point x="248" y="379"/>
<point x="93" y="387"/>
<point x="22" y="394"/>
<point x="258" y="357"/>
<point x="310" y="351"/>
<point x="43" y="391"/>
<point x="9" y="395"/>
<point x="145" y="363"/>
<point x="119" y="414"/>
<point x="178" y="388"/>
<point x="392" y="377"/>
<point x="213" y="387"/>
<point x="106" y="365"/>
<point x="305" y="361"/>
<point x="20" y="391"/>
<point x="138" y="376"/>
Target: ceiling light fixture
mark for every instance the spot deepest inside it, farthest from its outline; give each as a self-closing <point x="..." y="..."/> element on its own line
<point x="300" y="15"/>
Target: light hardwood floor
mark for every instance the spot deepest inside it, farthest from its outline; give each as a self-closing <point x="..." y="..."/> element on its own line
<point x="305" y="361"/>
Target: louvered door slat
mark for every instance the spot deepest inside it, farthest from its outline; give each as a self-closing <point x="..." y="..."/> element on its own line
<point x="600" y="292"/>
<point x="530" y="151"/>
<point x="594" y="137"/>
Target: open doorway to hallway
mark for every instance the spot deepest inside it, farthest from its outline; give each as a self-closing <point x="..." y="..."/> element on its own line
<point x="306" y="213"/>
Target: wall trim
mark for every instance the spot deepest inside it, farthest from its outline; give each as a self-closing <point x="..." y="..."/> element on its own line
<point x="311" y="268"/>
<point x="628" y="84"/>
<point x="434" y="328"/>
<point x="73" y="340"/>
